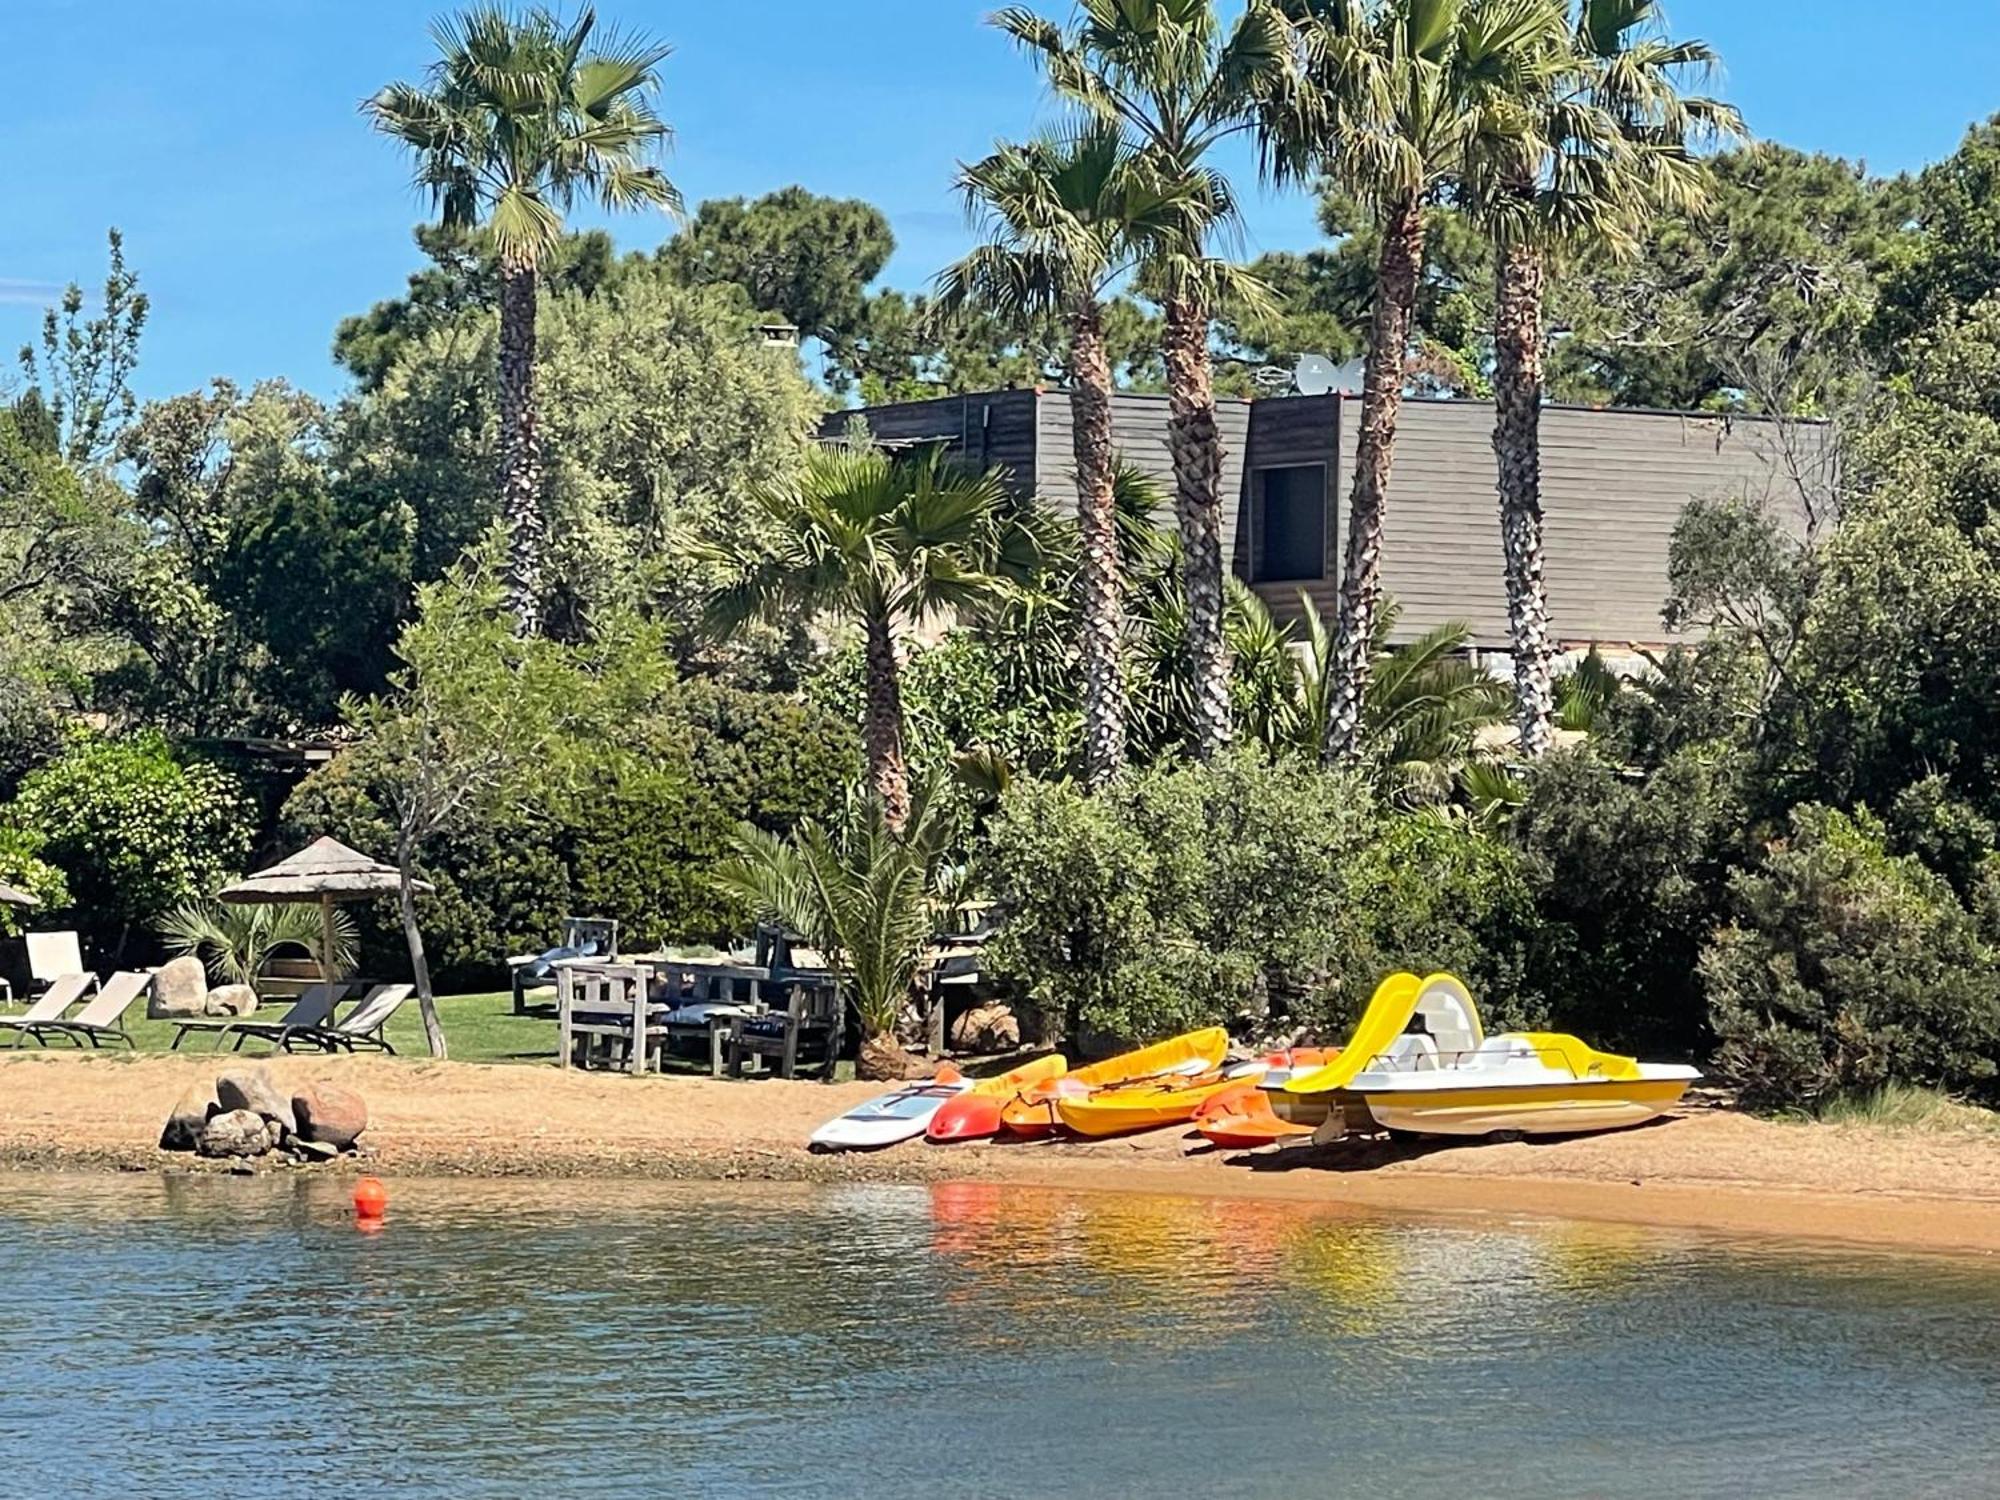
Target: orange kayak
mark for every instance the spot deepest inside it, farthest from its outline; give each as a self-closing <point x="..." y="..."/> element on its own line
<point x="1034" y="1111"/>
<point x="975" y="1114"/>
<point x="1246" y="1124"/>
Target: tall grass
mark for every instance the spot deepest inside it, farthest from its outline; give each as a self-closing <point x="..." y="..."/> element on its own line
<point x="1902" y="1106"/>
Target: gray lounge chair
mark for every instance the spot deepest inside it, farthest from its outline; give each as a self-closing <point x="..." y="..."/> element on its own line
<point x="314" y="1007"/>
<point x="101" y="1021"/>
<point x="360" y="1027"/>
<point x="49" y="1006"/>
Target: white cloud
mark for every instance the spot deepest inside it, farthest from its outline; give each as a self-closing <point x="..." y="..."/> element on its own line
<point x="22" y="291"/>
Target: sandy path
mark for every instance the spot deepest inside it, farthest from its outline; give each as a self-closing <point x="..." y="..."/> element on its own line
<point x="1709" y="1170"/>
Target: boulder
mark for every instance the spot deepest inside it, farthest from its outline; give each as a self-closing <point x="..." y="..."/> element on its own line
<point x="232" y="1000"/>
<point x="883" y="1059"/>
<point x="252" y="1089"/>
<point x="329" y="1116"/>
<point x="236" y="1132"/>
<point x="986" y="1028"/>
<point x="196" y="1108"/>
<point x="306" y="1150"/>
<point x="180" y="988"/>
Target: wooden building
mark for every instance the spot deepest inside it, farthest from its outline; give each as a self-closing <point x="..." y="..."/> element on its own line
<point x="1614" y="482"/>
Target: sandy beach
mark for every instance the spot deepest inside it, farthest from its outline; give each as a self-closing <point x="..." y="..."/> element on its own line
<point x="1706" y="1169"/>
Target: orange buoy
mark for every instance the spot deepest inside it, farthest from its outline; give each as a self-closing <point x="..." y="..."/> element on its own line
<point x="371" y="1199"/>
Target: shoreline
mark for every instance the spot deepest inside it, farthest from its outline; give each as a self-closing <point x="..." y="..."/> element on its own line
<point x="1706" y="1170"/>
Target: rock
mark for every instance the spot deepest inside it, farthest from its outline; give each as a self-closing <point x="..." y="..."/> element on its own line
<point x="329" y="1116"/>
<point x="986" y="1028"/>
<point x="235" y="1132"/>
<point x="232" y="1000"/>
<point x="180" y="988"/>
<point x="196" y="1108"/>
<point x="307" y="1150"/>
<point x="252" y="1089"/>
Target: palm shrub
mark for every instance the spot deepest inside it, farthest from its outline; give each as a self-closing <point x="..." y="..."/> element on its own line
<point x="865" y="893"/>
<point x="1423" y="714"/>
<point x="236" y="942"/>
<point x="519" y="119"/>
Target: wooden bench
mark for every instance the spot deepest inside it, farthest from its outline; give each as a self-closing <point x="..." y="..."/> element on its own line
<point x="809" y="1028"/>
<point x="605" y="1013"/>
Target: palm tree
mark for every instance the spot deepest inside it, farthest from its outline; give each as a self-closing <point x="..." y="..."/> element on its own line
<point x="514" y="124"/>
<point x="1174" y="82"/>
<point x="1608" y="144"/>
<point x="1066" y="217"/>
<point x="1394" y="95"/>
<point x="868" y="895"/>
<point x="890" y="541"/>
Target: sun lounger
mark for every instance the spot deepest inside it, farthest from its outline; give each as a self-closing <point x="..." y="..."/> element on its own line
<point x="61" y="994"/>
<point x="360" y="1027"/>
<point x="314" y="1007"/>
<point x="101" y="1021"/>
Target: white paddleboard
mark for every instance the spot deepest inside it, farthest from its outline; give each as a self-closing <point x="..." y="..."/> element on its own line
<point x="887" y="1118"/>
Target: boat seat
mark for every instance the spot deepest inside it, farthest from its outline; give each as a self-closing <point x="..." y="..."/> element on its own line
<point x="1412" y="1052"/>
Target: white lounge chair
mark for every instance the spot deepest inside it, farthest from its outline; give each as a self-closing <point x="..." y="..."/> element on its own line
<point x="102" y="1020"/>
<point x="53" y="956"/>
<point x="314" y="1007"/>
<point x="61" y="994"/>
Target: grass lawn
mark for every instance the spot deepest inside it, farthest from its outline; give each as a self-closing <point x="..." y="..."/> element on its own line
<point x="477" y="1028"/>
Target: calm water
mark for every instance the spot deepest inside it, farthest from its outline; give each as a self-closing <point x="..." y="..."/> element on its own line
<point x="194" y="1337"/>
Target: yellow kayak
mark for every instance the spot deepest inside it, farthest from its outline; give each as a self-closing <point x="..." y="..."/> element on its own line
<point x="1143" y="1106"/>
<point x="1032" y="1111"/>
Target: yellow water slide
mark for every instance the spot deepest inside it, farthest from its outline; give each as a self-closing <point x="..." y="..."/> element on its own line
<point x="1385" y="1019"/>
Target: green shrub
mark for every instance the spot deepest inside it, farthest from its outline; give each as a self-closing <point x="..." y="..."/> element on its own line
<point x="1846" y="968"/>
<point x="1636" y="872"/>
<point x="22" y="867"/>
<point x="1432" y="894"/>
<point x="1182" y="896"/>
<point x="631" y="831"/>
<point x="136" y="830"/>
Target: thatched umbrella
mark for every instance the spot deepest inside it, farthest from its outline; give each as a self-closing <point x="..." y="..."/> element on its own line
<point x="325" y="871"/>
<point x="11" y="897"/>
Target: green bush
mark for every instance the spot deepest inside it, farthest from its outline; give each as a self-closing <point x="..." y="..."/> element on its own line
<point x="632" y="832"/>
<point x="136" y="830"/>
<point x="1636" y="874"/>
<point x="1182" y="896"/>
<point x="1431" y="894"/>
<point x="1846" y="967"/>
<point x="22" y="867"/>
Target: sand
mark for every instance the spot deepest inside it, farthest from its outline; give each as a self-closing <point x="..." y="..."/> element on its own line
<point x="1705" y="1169"/>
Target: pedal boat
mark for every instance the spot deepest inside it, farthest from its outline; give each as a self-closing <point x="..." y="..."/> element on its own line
<point x="1421" y="1064"/>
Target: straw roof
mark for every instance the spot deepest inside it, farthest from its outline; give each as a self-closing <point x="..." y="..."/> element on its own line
<point x="325" y="870"/>
<point x="11" y="897"/>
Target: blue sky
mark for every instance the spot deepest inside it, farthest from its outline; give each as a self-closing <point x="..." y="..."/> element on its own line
<point x="222" y="137"/>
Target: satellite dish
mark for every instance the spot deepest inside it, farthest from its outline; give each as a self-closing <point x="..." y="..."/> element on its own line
<point x="1314" y="375"/>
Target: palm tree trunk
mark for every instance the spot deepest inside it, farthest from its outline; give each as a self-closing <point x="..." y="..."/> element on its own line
<point x="1517" y="448"/>
<point x="1196" y="445"/>
<point x="1103" y="601"/>
<point x="1375" y="453"/>
<point x="420" y="968"/>
<point x="882" y="725"/>
<point x="520" y="447"/>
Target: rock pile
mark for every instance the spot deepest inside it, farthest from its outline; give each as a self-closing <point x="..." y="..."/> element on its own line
<point x="180" y="989"/>
<point x="243" y="1114"/>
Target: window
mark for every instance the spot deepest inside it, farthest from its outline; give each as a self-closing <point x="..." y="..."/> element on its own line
<point x="1290" y="517"/>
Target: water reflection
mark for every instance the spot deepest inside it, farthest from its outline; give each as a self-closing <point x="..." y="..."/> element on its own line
<point x="533" y="1337"/>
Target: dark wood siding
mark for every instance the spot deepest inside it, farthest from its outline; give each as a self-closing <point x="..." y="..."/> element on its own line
<point x="1139" y="428"/>
<point x="995" y="429"/>
<point x="1614" y="483"/>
